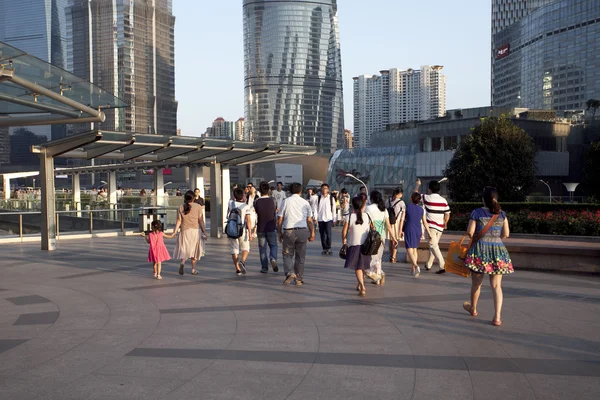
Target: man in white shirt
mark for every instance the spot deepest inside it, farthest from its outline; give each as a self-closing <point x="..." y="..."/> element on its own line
<point x="295" y="227"/>
<point x="241" y="244"/>
<point x="279" y="195"/>
<point x="437" y="213"/>
<point x="312" y="200"/>
<point x="324" y="213"/>
<point x="397" y="204"/>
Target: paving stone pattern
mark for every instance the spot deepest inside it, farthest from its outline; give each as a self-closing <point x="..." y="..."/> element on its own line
<point x="89" y="322"/>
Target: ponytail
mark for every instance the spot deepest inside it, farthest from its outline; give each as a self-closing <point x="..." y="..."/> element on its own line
<point x="357" y="203"/>
<point x="188" y="199"/>
<point x="490" y="199"/>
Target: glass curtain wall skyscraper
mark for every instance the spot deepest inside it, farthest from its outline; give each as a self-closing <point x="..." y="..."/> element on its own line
<point x="293" y="73"/>
<point x="127" y="47"/>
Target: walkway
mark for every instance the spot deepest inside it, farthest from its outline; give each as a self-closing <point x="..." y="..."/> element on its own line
<point x="89" y="322"/>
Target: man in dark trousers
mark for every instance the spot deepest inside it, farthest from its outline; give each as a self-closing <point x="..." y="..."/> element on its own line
<point x="324" y="213"/>
<point x="266" y="228"/>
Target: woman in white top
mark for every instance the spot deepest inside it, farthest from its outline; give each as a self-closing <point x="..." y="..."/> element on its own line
<point x="381" y="219"/>
<point x="354" y="234"/>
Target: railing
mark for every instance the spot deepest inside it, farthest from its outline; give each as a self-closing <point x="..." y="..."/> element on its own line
<point x="89" y="220"/>
<point x="556" y="199"/>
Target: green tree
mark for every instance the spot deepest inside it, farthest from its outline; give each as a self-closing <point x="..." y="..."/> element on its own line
<point x="594" y="105"/>
<point x="497" y="153"/>
<point x="591" y="171"/>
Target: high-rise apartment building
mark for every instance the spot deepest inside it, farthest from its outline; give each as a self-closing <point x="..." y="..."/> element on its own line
<point x="545" y="55"/>
<point x="222" y="129"/>
<point x="239" y="129"/>
<point x="37" y="27"/>
<point x="293" y="73"/>
<point x="127" y="48"/>
<point x="397" y="96"/>
<point x="348" y="139"/>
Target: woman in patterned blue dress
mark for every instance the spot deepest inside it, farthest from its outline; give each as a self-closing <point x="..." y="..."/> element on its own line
<point x="489" y="255"/>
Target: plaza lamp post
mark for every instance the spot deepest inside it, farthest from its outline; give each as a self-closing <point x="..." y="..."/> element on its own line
<point x="356" y="179"/>
<point x="549" y="189"/>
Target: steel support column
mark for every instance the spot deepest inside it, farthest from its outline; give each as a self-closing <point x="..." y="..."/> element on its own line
<point x="48" y="207"/>
<point x="225" y="188"/>
<point x="77" y="194"/>
<point x="112" y="193"/>
<point x="216" y="201"/>
<point x="159" y="187"/>
<point x="6" y="188"/>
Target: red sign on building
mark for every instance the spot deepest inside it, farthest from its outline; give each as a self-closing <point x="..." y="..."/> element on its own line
<point x="503" y="51"/>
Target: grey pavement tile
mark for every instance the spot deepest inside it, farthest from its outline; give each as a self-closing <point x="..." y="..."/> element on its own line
<point x="26" y="300"/>
<point x="81" y="322"/>
<point x="447" y="385"/>
<point x="111" y="387"/>
<point x="17" y="389"/>
<point x="43" y="318"/>
<point x="188" y="341"/>
<point x="161" y="368"/>
<point x="501" y="386"/>
<point x="564" y="387"/>
<point x="7" y="344"/>
<point x="224" y="385"/>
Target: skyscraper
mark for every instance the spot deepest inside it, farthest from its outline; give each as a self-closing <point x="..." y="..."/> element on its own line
<point x="127" y="48"/>
<point x="397" y="96"/>
<point x="293" y="73"/>
<point x="548" y="57"/>
<point x="37" y="27"/>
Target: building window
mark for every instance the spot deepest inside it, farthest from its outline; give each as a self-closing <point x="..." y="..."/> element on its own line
<point x="423" y="145"/>
<point x="450" y="142"/>
<point x="436" y="144"/>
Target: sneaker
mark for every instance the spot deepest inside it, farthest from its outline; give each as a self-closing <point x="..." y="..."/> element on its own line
<point x="418" y="272"/>
<point x="274" y="266"/>
<point x="427" y="267"/>
<point x="264" y="271"/>
<point x="289" y="278"/>
<point x="238" y="272"/>
<point x="158" y="277"/>
<point x="155" y="276"/>
<point x="324" y="253"/>
<point x="329" y="252"/>
<point x="242" y="267"/>
<point x="441" y="271"/>
<point x="180" y="269"/>
<point x="298" y="282"/>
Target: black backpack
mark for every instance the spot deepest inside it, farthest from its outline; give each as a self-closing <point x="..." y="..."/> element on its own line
<point x="392" y="212"/>
<point x="373" y="241"/>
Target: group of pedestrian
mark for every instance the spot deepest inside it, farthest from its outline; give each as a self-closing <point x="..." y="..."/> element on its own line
<point x="276" y="219"/>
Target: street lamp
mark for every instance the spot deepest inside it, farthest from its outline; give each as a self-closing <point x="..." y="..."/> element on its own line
<point x="102" y="184"/>
<point x="549" y="189"/>
<point x="571" y="187"/>
<point x="444" y="179"/>
<point x="168" y="183"/>
<point x="356" y="179"/>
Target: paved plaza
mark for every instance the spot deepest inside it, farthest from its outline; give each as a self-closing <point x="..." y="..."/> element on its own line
<point x="89" y="322"/>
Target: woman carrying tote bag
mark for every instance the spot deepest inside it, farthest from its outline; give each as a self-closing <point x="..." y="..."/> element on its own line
<point x="355" y="232"/>
<point x="488" y="256"/>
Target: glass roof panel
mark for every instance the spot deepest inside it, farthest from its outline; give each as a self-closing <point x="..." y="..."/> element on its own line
<point x="53" y="78"/>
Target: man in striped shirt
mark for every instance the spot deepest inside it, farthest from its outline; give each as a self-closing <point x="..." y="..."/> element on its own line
<point x="437" y="213"/>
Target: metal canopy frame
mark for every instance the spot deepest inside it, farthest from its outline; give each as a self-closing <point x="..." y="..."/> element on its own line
<point x="34" y="92"/>
<point x="143" y="151"/>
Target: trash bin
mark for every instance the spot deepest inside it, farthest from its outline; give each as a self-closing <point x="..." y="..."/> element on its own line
<point x="149" y="214"/>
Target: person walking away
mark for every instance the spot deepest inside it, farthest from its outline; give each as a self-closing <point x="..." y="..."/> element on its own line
<point x="338" y="214"/>
<point x="266" y="229"/>
<point x="437" y="214"/>
<point x="380" y="219"/>
<point x="313" y="199"/>
<point x="239" y="214"/>
<point x="354" y="234"/>
<point x="396" y="207"/>
<point x="251" y="197"/>
<point x="158" y="253"/>
<point x="488" y="255"/>
<point x="410" y="230"/>
<point x="279" y="195"/>
<point x="191" y="222"/>
<point x="295" y="227"/>
<point x="324" y="212"/>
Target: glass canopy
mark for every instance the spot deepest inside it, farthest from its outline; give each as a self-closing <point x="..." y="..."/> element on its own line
<point x="25" y="80"/>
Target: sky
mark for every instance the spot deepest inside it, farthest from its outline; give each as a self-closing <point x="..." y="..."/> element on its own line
<point x="209" y="63"/>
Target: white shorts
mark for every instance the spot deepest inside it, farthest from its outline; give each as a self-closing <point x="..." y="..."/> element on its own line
<point x="241" y="244"/>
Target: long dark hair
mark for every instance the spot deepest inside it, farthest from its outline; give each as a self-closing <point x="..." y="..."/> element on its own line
<point x="490" y="199"/>
<point x="415" y="198"/>
<point x="357" y="205"/>
<point x="188" y="199"/>
<point x="377" y="198"/>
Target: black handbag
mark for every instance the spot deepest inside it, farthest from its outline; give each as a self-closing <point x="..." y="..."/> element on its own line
<point x="373" y="242"/>
<point x="344" y="252"/>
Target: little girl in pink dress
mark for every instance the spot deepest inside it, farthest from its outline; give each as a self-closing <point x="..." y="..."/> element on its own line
<point x="158" y="251"/>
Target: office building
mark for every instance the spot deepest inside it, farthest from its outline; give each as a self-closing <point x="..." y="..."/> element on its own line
<point x="37" y="27"/>
<point x="348" y="139"/>
<point x="127" y="48"/>
<point x="239" y="129"/>
<point x="222" y="129"/>
<point x="548" y="57"/>
<point x="397" y="96"/>
<point x="293" y="73"/>
<point x="4" y="146"/>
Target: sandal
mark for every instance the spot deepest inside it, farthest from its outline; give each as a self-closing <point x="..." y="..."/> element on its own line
<point x="468" y="308"/>
<point x="362" y="292"/>
<point x="496" y="323"/>
<point x="194" y="272"/>
<point x="392" y="260"/>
